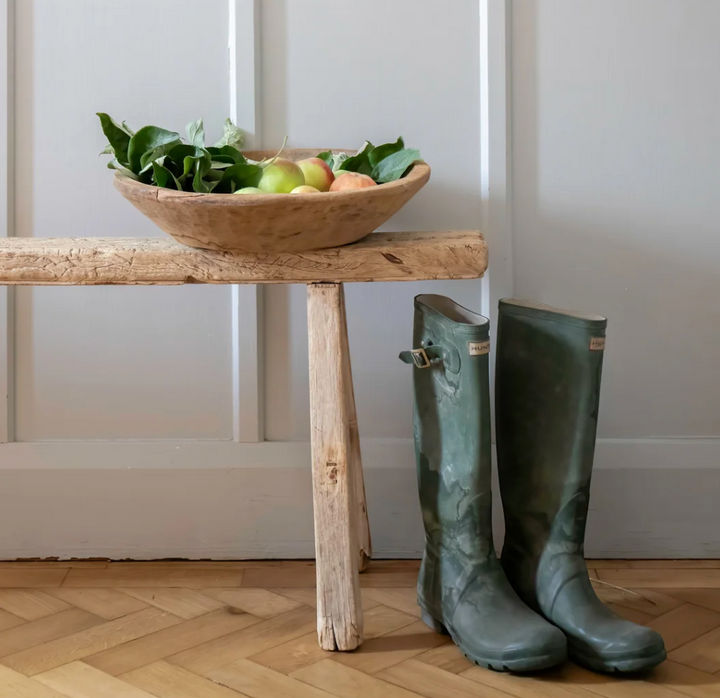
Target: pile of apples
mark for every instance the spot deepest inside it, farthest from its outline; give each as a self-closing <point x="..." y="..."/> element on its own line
<point x="311" y="176"/>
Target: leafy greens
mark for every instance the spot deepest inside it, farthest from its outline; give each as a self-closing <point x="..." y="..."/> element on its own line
<point x="153" y="155"/>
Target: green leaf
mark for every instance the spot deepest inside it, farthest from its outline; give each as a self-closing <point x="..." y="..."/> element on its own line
<point x="115" y="165"/>
<point x="127" y="129"/>
<point x="239" y="176"/>
<point x="151" y="156"/>
<point x="118" y="138"/>
<point x="227" y="151"/>
<point x="327" y="157"/>
<point x="147" y="139"/>
<point x="109" y="150"/>
<point x="339" y="161"/>
<point x="383" y="151"/>
<point x="221" y="164"/>
<point x="234" y="136"/>
<point x="196" y="133"/>
<point x="163" y="176"/>
<point x="361" y="161"/>
<point x="395" y="166"/>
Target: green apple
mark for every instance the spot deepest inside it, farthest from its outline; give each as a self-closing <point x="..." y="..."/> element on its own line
<point x="305" y="189"/>
<point x="250" y="190"/>
<point x="317" y="173"/>
<point x="281" y="177"/>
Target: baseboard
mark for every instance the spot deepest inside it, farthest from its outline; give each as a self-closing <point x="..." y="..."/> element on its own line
<point x="221" y="500"/>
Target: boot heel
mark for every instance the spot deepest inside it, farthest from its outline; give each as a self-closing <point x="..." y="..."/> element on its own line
<point x="436" y="625"/>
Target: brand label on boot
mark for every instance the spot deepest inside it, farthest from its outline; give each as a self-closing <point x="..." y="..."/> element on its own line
<point x="597" y="344"/>
<point x="479" y="348"/>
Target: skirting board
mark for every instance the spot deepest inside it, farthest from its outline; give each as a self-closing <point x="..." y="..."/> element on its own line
<point x="140" y="501"/>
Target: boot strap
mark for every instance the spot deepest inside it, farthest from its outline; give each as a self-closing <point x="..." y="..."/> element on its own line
<point x="423" y="357"/>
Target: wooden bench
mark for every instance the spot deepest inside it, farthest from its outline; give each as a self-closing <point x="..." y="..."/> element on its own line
<point x="342" y="536"/>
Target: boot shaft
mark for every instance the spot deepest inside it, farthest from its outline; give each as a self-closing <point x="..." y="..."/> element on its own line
<point x="452" y="424"/>
<point x="548" y="371"/>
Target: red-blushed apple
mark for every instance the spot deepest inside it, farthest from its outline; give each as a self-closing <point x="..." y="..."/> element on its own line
<point x="250" y="191"/>
<point x="281" y="177"/>
<point x="352" y="180"/>
<point x="317" y="173"/>
<point x="305" y="189"/>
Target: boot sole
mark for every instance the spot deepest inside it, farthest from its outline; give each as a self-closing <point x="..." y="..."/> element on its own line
<point x="516" y="666"/>
<point x="620" y="666"/>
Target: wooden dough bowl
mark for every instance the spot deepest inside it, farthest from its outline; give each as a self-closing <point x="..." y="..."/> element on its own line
<point x="272" y="222"/>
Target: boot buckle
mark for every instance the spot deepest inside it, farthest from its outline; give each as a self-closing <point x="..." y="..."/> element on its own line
<point x="420" y="358"/>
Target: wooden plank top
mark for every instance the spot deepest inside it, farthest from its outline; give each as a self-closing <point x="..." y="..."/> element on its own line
<point x="131" y="261"/>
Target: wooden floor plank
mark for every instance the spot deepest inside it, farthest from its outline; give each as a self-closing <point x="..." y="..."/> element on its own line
<point x="133" y="578"/>
<point x="106" y="603"/>
<point x="85" y="643"/>
<point x="163" y="643"/>
<point x="703" y="653"/>
<point x="304" y="650"/>
<point x="431" y="682"/>
<point x="685" y="680"/>
<point x="260" y="602"/>
<point x="257" y="681"/>
<point x="384" y="651"/>
<point x="212" y="655"/>
<point x="446" y="657"/>
<point x="345" y="682"/>
<point x="15" y="685"/>
<point x="707" y="598"/>
<point x="44" y="630"/>
<point x="403" y="599"/>
<point x="17" y="578"/>
<point x="30" y="604"/>
<point x="167" y="681"/>
<point x="8" y="620"/>
<point x="548" y="684"/>
<point x="683" y="624"/>
<point x="184" y="603"/>
<point x="662" y="579"/>
<point x="78" y="680"/>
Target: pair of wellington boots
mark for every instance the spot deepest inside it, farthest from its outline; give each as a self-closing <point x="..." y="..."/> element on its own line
<point x="537" y="606"/>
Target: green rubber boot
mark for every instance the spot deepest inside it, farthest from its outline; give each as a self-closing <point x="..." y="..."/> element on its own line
<point x="549" y="364"/>
<point x="462" y="589"/>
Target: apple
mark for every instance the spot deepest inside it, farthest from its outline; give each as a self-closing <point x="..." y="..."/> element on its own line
<point x="305" y="189"/>
<point x="317" y="173"/>
<point x="250" y="190"/>
<point x="281" y="177"/>
<point x="352" y="180"/>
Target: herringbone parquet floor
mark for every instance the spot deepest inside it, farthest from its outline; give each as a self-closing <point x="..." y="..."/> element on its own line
<point x="224" y="630"/>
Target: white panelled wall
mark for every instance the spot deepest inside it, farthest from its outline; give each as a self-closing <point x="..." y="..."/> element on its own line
<point x="174" y="422"/>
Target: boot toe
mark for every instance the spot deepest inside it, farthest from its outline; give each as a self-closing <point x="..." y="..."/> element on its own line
<point x="518" y="644"/>
<point x="634" y="649"/>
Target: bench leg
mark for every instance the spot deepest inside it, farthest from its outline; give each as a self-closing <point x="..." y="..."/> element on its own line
<point x="356" y="468"/>
<point x="334" y="484"/>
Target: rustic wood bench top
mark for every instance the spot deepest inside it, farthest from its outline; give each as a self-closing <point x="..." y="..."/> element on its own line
<point x="379" y="257"/>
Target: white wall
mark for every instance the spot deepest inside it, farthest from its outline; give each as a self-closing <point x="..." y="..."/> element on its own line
<point x="616" y="126"/>
<point x="113" y="363"/>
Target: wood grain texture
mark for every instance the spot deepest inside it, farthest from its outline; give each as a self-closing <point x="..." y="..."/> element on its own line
<point x="336" y="544"/>
<point x="132" y="261"/>
<point x="269" y="223"/>
<point x="355" y="455"/>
